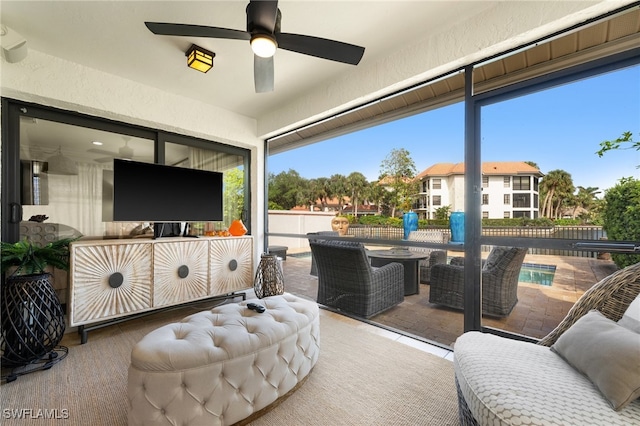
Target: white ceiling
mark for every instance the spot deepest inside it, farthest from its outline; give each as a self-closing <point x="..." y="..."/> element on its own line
<point x="111" y="36"/>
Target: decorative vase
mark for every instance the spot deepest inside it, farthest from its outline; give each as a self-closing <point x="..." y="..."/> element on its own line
<point x="456" y="224"/>
<point x="237" y="228"/>
<point x="409" y="223"/>
<point x="269" y="280"/>
<point x="32" y="319"/>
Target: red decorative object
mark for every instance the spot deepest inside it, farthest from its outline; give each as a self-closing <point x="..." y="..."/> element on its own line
<point x="237" y="228"/>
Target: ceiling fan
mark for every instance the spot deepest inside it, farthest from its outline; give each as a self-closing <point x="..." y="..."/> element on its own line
<point x="263" y="31"/>
<point x="125" y="152"/>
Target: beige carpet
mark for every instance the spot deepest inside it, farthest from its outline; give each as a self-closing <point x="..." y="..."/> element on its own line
<point x="361" y="378"/>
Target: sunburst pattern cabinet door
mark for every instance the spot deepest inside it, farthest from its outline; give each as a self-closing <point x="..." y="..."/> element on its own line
<point x="109" y="281"/>
<point x="180" y="272"/>
<point x="231" y="265"/>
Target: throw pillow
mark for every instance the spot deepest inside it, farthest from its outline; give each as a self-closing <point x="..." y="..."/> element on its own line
<point x="606" y="353"/>
<point x="631" y="317"/>
<point x="494" y="257"/>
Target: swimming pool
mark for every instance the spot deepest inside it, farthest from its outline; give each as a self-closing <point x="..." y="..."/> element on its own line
<point x="537" y="274"/>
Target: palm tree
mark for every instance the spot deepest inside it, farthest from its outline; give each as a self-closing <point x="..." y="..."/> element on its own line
<point x="356" y="185"/>
<point x="585" y="198"/>
<point x="338" y="186"/>
<point x="555" y="184"/>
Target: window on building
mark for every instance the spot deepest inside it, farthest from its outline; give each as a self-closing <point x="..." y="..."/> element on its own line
<point x="507" y="214"/>
<point x="485" y="181"/>
<point x="517" y="214"/>
<point x="437" y="183"/>
<point x="507" y="181"/>
<point x="521" y="183"/>
<point x="535" y="201"/>
<point x="485" y="215"/>
<point x="437" y="200"/>
<point x="507" y="199"/>
<point x="485" y="199"/>
<point x="535" y="184"/>
<point x="425" y="185"/>
<point x="521" y="200"/>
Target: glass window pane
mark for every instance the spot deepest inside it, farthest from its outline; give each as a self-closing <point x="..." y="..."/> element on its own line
<point x="67" y="171"/>
<point x="232" y="168"/>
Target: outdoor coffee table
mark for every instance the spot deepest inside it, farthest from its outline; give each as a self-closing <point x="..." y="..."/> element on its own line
<point x="409" y="259"/>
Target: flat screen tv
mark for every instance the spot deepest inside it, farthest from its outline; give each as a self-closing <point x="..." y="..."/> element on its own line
<point x="145" y="192"/>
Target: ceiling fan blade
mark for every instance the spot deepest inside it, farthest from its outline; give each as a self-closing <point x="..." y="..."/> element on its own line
<point x="103" y="159"/>
<point x="321" y="48"/>
<point x="263" y="74"/>
<point x="262" y="14"/>
<point x="188" y="30"/>
<point x="101" y="151"/>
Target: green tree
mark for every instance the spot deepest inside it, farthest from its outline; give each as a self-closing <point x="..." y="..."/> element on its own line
<point x="442" y="213"/>
<point x="399" y="171"/>
<point x="621" y="217"/>
<point x="556" y="186"/>
<point x="287" y="189"/>
<point x="233" y="195"/>
<point x="619" y="143"/>
<point x="338" y="187"/>
<point x="585" y="198"/>
<point x="357" y="186"/>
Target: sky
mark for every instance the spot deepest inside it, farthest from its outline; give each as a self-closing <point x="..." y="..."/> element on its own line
<point x="559" y="128"/>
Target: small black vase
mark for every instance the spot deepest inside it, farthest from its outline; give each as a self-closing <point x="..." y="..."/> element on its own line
<point x="32" y="319"/>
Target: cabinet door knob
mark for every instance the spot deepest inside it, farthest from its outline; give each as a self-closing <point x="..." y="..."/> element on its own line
<point x="183" y="271"/>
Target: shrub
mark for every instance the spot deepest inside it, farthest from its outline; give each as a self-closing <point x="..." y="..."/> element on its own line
<point x="621" y="217"/>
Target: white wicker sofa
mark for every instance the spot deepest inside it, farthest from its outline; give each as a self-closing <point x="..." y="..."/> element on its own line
<point x="585" y="372"/>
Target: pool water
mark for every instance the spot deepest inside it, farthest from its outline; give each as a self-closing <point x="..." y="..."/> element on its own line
<point x="537" y="274"/>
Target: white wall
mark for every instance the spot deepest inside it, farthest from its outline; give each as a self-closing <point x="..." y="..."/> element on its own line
<point x="297" y="222"/>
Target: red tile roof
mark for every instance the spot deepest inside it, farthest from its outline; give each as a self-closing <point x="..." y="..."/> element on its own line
<point x="488" y="168"/>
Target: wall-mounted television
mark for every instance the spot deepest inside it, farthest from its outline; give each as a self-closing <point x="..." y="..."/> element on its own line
<point x="145" y="192"/>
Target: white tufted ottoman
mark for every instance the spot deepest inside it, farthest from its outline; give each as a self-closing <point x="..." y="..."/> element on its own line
<point x="218" y="367"/>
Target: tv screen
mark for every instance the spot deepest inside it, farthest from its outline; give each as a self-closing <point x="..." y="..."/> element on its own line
<point x="144" y="192"/>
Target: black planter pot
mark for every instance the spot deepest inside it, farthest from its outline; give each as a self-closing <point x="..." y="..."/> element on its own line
<point x="32" y="319"/>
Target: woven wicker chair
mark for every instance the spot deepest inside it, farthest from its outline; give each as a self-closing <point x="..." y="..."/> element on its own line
<point x="611" y="296"/>
<point x="435" y="256"/>
<point x="314" y="267"/>
<point x="347" y="281"/>
<point x="499" y="281"/>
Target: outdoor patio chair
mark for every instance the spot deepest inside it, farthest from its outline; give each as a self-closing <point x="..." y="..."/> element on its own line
<point x="435" y="256"/>
<point x="348" y="282"/>
<point x="500" y="274"/>
<point x="314" y="268"/>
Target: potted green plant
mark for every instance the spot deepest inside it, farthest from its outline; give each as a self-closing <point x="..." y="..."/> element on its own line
<point x="31" y="314"/>
<point x="29" y="258"/>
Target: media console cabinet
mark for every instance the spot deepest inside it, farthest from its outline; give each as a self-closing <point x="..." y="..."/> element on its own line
<point x="115" y="280"/>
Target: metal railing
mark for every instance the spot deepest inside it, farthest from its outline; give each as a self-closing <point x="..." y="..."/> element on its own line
<point x="581" y="233"/>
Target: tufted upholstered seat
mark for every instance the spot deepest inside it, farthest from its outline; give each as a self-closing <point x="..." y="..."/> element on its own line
<point x="220" y="366"/>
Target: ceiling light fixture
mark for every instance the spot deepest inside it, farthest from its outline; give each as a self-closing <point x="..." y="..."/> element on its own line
<point x="199" y="58"/>
<point x="58" y="164"/>
<point x="263" y="45"/>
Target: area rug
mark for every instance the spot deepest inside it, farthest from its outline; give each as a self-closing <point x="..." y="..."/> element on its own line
<point x="361" y="378"/>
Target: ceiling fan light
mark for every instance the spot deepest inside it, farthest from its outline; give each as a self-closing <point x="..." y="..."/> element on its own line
<point x="263" y="45"/>
<point x="199" y="58"/>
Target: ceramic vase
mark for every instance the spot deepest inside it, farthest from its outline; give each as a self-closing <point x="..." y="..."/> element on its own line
<point x="456" y="224"/>
<point x="237" y="228"/>
<point x="409" y="223"/>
